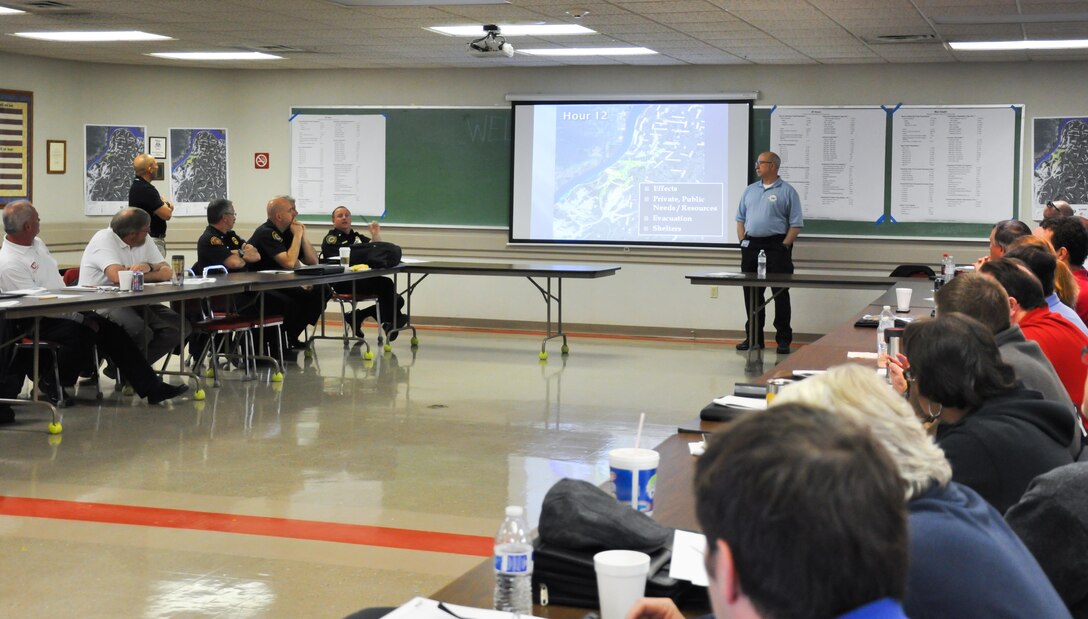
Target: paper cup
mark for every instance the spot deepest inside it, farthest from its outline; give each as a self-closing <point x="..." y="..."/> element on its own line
<point x="621" y="580"/>
<point x="902" y="299"/>
<point x="633" y="473"/>
<point x="124" y="280"/>
<point x="345" y="256"/>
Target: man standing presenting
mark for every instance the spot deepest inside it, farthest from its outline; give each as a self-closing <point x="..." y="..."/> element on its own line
<point x="143" y="195"/>
<point x="769" y="219"/>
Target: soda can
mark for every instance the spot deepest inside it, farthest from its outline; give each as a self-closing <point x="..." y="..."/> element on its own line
<point x="137" y="281"/>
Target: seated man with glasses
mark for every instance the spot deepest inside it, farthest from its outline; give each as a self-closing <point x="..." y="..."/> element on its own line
<point x="220" y="244"/>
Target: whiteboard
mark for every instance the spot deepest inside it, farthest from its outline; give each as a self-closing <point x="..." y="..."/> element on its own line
<point x="834" y="158"/>
<point x="953" y="164"/>
<point x="338" y="160"/>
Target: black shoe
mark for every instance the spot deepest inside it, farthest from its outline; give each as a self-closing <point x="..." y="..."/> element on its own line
<point x="90" y="381"/>
<point x="164" y="392"/>
<point x="7" y="414"/>
<point x="298" y="345"/>
<point x="745" y="346"/>
<point x="290" y="356"/>
<point x="389" y="332"/>
<point x="110" y="371"/>
<point x="783" y="349"/>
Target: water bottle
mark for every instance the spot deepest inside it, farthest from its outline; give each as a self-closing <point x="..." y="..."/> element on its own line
<point x="887" y="321"/>
<point x="761" y="265"/>
<point x="514" y="564"/>
<point x="948" y="268"/>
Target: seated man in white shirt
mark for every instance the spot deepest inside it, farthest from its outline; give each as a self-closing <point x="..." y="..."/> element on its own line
<point x="25" y="262"/>
<point x="123" y="246"/>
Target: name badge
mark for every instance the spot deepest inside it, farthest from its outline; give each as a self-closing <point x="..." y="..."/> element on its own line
<point x="744" y="243"/>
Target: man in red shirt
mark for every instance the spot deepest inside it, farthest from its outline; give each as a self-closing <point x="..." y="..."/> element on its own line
<point x="1060" y="340"/>
<point x="1070" y="241"/>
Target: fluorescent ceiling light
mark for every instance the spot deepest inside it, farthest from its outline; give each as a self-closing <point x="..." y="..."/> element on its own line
<point x="216" y="56"/>
<point x="589" y="51"/>
<point x="513" y="30"/>
<point x="9" y="11"/>
<point x="92" y="36"/>
<point x="984" y="46"/>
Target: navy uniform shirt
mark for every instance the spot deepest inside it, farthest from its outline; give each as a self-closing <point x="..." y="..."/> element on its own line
<point x="335" y="239"/>
<point x="143" y="195"/>
<point x="214" y="247"/>
<point x="269" y="242"/>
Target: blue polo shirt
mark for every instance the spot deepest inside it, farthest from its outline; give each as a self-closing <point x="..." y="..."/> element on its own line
<point x="771" y="210"/>
<point x="886" y="608"/>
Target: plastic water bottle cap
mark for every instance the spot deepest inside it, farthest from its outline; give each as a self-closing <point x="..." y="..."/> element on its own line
<point x="515" y="511"/>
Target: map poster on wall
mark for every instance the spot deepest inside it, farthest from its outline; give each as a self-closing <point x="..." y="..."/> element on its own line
<point x="198" y="169"/>
<point x="834" y="158"/>
<point x="16" y="140"/>
<point x="338" y="161"/>
<point x="953" y="164"/>
<point x="1059" y="163"/>
<point x="108" y="174"/>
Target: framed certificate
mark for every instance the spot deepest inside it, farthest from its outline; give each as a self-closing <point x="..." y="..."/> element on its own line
<point x="156" y="147"/>
<point x="56" y="156"/>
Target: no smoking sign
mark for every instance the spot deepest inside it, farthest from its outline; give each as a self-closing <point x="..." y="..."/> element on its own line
<point x="260" y="161"/>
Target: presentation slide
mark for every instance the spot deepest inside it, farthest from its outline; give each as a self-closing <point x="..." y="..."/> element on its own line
<point x="629" y="173"/>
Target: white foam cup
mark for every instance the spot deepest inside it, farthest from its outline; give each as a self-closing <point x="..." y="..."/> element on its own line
<point x="345" y="256"/>
<point x="633" y="472"/>
<point x="902" y="299"/>
<point x="124" y="280"/>
<point x="621" y="580"/>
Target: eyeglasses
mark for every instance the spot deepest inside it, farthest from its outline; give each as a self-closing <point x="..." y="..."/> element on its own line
<point x="231" y="213"/>
<point x="759" y="163"/>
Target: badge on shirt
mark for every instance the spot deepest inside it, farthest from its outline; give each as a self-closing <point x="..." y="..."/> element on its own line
<point x="216" y="241"/>
<point x="772" y="198"/>
<point x="276" y="236"/>
<point x="331" y="239"/>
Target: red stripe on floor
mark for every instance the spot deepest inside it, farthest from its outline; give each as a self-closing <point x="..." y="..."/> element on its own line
<point x="364" y="535"/>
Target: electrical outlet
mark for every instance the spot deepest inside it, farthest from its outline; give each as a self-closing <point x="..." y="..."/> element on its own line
<point x="713" y="292"/>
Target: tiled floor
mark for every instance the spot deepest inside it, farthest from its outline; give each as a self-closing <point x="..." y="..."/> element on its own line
<point x="237" y="506"/>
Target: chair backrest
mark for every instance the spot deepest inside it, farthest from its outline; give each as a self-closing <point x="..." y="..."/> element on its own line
<point x="912" y="270"/>
<point x="71" y="276"/>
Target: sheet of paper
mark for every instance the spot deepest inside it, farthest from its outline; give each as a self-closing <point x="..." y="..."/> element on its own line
<point x="697" y="448"/>
<point x="724" y="274"/>
<point x="688" y="550"/>
<point x="276" y="271"/>
<point x="8" y="303"/>
<point x="423" y="608"/>
<point x="860" y="355"/>
<point x="405" y="260"/>
<point x="739" y="402"/>
<point x="26" y="291"/>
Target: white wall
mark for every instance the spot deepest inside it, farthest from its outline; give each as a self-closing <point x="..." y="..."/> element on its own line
<point x="650" y="290"/>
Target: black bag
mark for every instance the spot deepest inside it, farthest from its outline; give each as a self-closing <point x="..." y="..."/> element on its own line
<point x="376" y="254"/>
<point x="577" y="520"/>
<point x="567" y="577"/>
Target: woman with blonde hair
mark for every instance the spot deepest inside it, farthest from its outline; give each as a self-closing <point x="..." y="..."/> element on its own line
<point x="965" y="562"/>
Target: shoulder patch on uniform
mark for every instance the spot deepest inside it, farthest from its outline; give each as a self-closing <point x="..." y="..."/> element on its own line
<point x="331" y="239"/>
<point x="276" y="235"/>
<point x="216" y="241"/>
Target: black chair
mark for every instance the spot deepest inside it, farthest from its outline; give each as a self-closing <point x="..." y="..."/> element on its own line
<point x="913" y="270"/>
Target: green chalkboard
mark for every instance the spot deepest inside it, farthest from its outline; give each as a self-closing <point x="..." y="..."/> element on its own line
<point x="444" y="167"/>
<point x="761" y="141"/>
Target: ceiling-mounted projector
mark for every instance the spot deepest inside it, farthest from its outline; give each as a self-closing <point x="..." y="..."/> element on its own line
<point x="491" y="45"/>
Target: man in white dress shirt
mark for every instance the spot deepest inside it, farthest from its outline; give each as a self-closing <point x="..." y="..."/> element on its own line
<point x="123" y="246"/>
